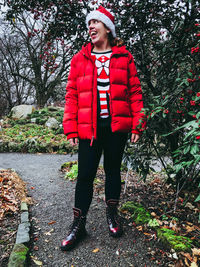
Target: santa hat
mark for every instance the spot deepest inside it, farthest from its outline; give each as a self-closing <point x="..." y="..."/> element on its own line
<point x="104" y="16"/>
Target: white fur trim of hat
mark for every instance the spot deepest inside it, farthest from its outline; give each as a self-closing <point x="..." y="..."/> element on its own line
<point x="104" y="16"/>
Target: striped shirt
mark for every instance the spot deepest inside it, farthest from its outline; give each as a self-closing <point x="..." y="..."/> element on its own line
<point x="102" y="61"/>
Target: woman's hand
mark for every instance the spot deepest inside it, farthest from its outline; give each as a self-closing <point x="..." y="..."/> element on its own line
<point x="134" y="137"/>
<point x="73" y="141"/>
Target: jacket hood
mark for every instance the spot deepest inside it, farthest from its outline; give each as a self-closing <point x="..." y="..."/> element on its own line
<point x="87" y="48"/>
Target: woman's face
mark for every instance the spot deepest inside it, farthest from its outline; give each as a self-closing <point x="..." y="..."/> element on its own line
<point x="98" y="32"/>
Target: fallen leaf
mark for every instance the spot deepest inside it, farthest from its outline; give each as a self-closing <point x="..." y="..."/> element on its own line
<point x="155" y="181"/>
<point x="36" y="261"/>
<point x="173" y="225"/>
<point x="39" y="263"/>
<point x="13" y="190"/>
<point x="160" y="222"/>
<point x="147" y="234"/>
<point x="52" y="222"/>
<point x="95" y="250"/>
<point x="196" y="251"/>
<point x="140" y="228"/>
<point x="49" y="233"/>
<point x="190" y="206"/>
<point x="193" y="264"/>
<point x="186" y="262"/>
<point x="187" y="255"/>
<point x="190" y="228"/>
<point x="11" y="207"/>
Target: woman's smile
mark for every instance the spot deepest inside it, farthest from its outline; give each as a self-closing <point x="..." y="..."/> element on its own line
<point x="93" y="34"/>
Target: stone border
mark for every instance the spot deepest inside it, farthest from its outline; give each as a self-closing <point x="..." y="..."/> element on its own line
<point x="18" y="256"/>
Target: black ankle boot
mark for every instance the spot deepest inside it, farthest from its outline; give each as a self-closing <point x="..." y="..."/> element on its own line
<point x="77" y="231"/>
<point x="115" y="227"/>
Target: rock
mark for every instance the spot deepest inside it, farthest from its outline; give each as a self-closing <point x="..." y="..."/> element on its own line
<point x="24" y="217"/>
<point x="23" y="233"/>
<point x="21" y="111"/>
<point x="33" y="120"/>
<point x="18" y="256"/>
<point x="52" y="123"/>
<point x="24" y="206"/>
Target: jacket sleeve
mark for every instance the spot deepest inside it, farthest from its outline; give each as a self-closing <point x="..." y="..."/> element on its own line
<point x="71" y="103"/>
<point x="135" y="98"/>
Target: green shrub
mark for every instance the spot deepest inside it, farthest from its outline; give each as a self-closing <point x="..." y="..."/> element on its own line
<point x="34" y="138"/>
<point x="72" y="173"/>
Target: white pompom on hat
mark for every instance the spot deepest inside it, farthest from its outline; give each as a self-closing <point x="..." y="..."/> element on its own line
<point x="104" y="16"/>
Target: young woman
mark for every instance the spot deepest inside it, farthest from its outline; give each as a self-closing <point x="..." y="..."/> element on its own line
<point x="103" y="104"/>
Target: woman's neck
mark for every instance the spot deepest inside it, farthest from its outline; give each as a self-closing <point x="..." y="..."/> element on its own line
<point x="102" y="48"/>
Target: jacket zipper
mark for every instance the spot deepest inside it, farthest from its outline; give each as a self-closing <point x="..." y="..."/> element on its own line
<point x="110" y="102"/>
<point x="92" y="139"/>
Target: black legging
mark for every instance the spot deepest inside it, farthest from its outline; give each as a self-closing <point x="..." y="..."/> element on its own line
<point x="112" y="144"/>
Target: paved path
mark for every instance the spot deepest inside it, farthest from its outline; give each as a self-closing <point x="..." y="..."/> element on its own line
<point x="53" y="201"/>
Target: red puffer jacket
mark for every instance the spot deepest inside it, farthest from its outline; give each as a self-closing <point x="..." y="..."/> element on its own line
<point x="80" y="114"/>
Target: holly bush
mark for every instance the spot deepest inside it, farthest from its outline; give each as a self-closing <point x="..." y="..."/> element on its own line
<point x="164" y="40"/>
<point x="173" y="126"/>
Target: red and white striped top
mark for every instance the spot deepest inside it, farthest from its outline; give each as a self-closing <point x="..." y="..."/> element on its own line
<point x="102" y="61"/>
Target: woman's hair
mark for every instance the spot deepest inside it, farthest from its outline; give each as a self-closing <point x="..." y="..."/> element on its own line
<point x="115" y="41"/>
